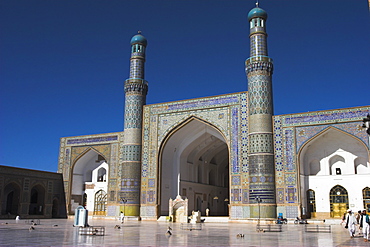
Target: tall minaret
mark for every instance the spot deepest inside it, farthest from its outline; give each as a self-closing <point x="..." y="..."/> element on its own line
<point x="259" y="69"/>
<point x="136" y="89"/>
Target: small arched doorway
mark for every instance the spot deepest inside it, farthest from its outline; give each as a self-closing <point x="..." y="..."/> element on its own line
<point x="37" y="200"/>
<point x="12" y="199"/>
<point x="338" y="201"/>
<point x="311" y="203"/>
<point x="100" y="207"/>
<point x="55" y="209"/>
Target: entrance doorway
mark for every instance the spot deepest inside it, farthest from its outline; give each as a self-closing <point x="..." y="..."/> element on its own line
<point x="338" y="201"/>
<point x="100" y="203"/>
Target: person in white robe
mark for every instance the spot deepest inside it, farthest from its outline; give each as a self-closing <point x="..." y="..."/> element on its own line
<point x="351" y="223"/>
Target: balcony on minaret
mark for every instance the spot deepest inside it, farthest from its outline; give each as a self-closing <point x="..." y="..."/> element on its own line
<point x="138" y="50"/>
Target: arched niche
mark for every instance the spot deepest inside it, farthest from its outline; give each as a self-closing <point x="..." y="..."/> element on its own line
<point x="84" y="171"/>
<point x="332" y="148"/>
<point x="37" y="200"/>
<point x="361" y="166"/>
<point x="10" y="205"/>
<point x="194" y="159"/>
<point x="337" y="165"/>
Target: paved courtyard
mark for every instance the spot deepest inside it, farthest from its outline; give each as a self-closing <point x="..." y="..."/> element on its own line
<point x="60" y="232"/>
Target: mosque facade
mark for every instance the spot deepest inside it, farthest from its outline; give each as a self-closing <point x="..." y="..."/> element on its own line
<point x="227" y="153"/>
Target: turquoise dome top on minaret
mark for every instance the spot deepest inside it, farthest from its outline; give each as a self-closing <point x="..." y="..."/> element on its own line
<point x="257" y="12"/>
<point x="139" y="39"/>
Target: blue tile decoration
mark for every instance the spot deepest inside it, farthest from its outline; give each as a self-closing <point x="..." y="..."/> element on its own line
<point x="323" y="117"/>
<point x="90" y="140"/>
<point x="235" y="180"/>
<point x="131" y="153"/>
<point x="133" y="109"/>
<point x="244" y="132"/>
<point x="280" y="195"/>
<point x="151" y="183"/>
<point x="235" y="140"/>
<point x="289" y="150"/>
<point x="201" y="103"/>
<point x="222" y="112"/>
<point x="353" y="128"/>
<point x="259" y="91"/>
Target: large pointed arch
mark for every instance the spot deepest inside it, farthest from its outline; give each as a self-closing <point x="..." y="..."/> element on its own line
<point x="330" y="156"/>
<point x="82" y="173"/>
<point x="190" y="153"/>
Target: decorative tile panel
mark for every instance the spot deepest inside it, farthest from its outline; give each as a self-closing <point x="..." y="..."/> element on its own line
<point x="323" y="117"/>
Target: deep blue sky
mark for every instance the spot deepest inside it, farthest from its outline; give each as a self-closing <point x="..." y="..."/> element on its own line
<point x="63" y="63"/>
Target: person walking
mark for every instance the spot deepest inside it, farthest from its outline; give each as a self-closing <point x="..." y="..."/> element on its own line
<point x="121" y="217"/>
<point x="365" y="225"/>
<point x="351" y="223"/>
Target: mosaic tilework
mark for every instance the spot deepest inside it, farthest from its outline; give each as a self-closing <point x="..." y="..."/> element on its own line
<point x="133" y="111"/>
<point x="291" y="194"/>
<point x="266" y="191"/>
<point x="259" y="92"/>
<point x="290" y="178"/>
<point x="211" y="102"/>
<point x="235" y="141"/>
<point x="244" y="132"/>
<point x="258" y="45"/>
<point x="131" y="152"/>
<point x="114" y="160"/>
<point x="289" y="150"/>
<point x="219" y="111"/>
<point x="137" y="68"/>
<point x="261" y="143"/>
<point x="303" y="134"/>
<point x="235" y="180"/>
<point x="136" y="86"/>
<point x="280" y="195"/>
<point x="235" y="195"/>
<point x="167" y="122"/>
<point x="245" y="196"/>
<point x="151" y="183"/>
<point x="103" y="150"/>
<point x="333" y="116"/>
<point x="90" y="140"/>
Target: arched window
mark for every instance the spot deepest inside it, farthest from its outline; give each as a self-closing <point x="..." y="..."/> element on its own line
<point x="102" y="175"/>
<point x="100" y="203"/>
<point x="338" y="201"/>
<point x="336" y="165"/>
<point x="366" y="198"/>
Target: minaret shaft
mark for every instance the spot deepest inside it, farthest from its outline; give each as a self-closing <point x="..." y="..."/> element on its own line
<point x="136" y="89"/>
<point x="259" y="68"/>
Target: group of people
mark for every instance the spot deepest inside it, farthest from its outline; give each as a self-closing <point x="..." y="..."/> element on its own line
<point x="361" y="219"/>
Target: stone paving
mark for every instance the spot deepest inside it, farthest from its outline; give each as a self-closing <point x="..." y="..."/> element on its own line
<point x="61" y="232"/>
